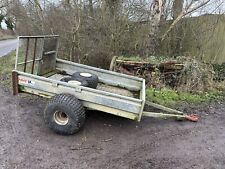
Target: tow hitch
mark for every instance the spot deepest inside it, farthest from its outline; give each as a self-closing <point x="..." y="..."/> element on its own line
<point x="171" y="113"/>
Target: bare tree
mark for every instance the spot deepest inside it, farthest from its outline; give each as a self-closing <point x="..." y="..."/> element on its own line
<point x="40" y="14"/>
<point x="91" y="8"/>
<point x="191" y="7"/>
<point x="94" y="30"/>
<point x="155" y="18"/>
<point x="177" y="8"/>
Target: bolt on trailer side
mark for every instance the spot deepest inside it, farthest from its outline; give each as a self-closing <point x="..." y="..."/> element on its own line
<point x="43" y="64"/>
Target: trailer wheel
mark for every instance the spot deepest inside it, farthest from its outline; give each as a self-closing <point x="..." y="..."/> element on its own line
<point x="64" y="114"/>
<point x="75" y="81"/>
<point x="90" y="78"/>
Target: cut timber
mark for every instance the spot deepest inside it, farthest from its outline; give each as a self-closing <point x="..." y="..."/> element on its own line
<point x="166" y="71"/>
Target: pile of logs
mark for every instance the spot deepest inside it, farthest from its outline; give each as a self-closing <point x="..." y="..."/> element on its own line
<point x="155" y="74"/>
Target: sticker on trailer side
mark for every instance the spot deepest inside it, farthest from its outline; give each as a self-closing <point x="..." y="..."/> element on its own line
<point x="25" y="81"/>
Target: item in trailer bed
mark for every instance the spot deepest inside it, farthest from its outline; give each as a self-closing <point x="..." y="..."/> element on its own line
<point x="90" y="78"/>
<point x="117" y="90"/>
<point x="75" y="81"/>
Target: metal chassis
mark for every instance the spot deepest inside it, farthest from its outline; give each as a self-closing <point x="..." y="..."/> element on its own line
<point x="91" y="98"/>
<point x="112" y="103"/>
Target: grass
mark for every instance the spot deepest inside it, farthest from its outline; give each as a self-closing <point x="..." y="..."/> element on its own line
<point x="6" y="67"/>
<point x="169" y="97"/>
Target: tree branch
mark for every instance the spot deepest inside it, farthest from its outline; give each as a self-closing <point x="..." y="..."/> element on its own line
<point x="181" y="15"/>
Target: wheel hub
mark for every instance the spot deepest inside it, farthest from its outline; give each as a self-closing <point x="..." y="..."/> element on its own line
<point x="61" y="118"/>
<point x="75" y="82"/>
<point x="85" y="74"/>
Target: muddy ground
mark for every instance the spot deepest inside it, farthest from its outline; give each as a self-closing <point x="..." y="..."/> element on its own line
<point x="108" y="141"/>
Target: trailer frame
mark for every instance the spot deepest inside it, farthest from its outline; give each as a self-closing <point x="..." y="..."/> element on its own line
<point x="45" y="64"/>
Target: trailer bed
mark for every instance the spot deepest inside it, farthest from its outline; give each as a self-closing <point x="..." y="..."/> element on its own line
<point x="103" y="87"/>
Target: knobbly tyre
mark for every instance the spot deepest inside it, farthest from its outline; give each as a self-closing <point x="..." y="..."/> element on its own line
<point x="73" y="88"/>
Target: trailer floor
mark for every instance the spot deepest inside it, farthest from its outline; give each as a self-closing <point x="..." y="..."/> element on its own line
<point x="108" y="141"/>
<point x="104" y="87"/>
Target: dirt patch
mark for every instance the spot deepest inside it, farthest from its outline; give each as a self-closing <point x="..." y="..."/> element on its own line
<point x="108" y="141"/>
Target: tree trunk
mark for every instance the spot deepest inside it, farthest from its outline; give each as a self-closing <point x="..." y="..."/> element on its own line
<point x="91" y="9"/>
<point x="191" y="8"/>
<point x="155" y="18"/>
<point x="113" y="6"/>
<point x="177" y="8"/>
<point x="40" y="14"/>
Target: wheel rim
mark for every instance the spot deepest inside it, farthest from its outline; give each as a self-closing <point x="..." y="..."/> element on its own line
<point x="75" y="82"/>
<point x="85" y="74"/>
<point x="61" y="118"/>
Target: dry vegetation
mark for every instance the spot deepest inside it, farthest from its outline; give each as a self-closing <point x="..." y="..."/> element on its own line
<point x="6" y="34"/>
<point x="93" y="31"/>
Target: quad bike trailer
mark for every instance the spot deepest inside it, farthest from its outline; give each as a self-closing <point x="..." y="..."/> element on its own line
<point x="73" y="88"/>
